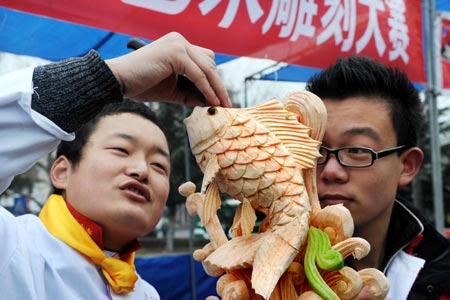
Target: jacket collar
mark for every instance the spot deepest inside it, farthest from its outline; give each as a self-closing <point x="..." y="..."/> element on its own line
<point x="404" y="228"/>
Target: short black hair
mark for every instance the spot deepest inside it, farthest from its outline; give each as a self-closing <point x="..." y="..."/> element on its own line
<point x="73" y="150"/>
<point x="361" y="76"/>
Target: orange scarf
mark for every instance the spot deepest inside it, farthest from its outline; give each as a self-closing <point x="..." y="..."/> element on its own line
<point x="121" y="274"/>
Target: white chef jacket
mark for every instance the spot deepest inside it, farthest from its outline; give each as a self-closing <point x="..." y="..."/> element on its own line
<point x="34" y="264"/>
<point x="26" y="136"/>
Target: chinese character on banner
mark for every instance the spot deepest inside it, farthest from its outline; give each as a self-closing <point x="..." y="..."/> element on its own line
<point x="309" y="33"/>
<point x="443" y="37"/>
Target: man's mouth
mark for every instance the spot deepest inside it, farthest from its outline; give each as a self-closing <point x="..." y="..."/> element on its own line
<point x="137" y="190"/>
<point x="333" y="199"/>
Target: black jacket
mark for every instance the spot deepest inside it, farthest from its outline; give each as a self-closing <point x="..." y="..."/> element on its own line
<point x="410" y="231"/>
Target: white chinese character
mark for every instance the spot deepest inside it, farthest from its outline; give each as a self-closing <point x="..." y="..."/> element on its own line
<point x="294" y="16"/>
<point x="282" y="12"/>
<point x="336" y="14"/>
<point x="398" y="35"/>
<point x="254" y="10"/>
<point x="306" y="11"/>
<point x="373" y="28"/>
<point x="170" y="7"/>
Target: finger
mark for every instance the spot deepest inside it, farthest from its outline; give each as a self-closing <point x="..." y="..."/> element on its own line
<point x="188" y="86"/>
<point x="183" y="83"/>
<point x="206" y="51"/>
<point x="206" y="76"/>
<point x="364" y="294"/>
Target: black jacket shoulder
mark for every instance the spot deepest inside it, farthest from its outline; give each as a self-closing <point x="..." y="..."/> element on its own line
<point x="433" y="281"/>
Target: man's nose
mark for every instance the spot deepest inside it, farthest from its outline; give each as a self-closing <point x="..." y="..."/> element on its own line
<point x="332" y="170"/>
<point x="138" y="169"/>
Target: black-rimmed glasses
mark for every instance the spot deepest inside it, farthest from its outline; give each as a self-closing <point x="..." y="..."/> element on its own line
<point x="356" y="157"/>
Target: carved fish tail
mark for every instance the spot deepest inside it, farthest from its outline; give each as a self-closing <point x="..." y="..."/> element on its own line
<point x="288" y="235"/>
<point x="270" y="263"/>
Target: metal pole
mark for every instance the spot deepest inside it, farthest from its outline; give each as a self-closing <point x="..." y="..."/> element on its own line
<point x="191" y="219"/>
<point x="431" y="96"/>
<point x="257" y="75"/>
<point x="245" y="91"/>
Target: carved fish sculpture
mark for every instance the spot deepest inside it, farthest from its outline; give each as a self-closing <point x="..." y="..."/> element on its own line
<point x="256" y="155"/>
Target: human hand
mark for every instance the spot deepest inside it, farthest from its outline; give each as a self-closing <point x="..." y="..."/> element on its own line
<point x="151" y="72"/>
<point x="365" y="295"/>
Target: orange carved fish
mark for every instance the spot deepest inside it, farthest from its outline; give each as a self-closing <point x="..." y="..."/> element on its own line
<point x="257" y="155"/>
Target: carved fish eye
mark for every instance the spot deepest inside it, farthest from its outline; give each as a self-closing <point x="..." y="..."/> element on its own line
<point x="212" y="111"/>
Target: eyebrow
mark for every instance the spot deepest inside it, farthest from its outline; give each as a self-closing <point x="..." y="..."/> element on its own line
<point x="134" y="141"/>
<point x="367" y="131"/>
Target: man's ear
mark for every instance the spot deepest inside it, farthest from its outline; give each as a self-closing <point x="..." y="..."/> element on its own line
<point x="59" y="172"/>
<point x="412" y="159"/>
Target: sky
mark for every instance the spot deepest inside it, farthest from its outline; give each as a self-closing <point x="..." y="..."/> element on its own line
<point x="10" y="62"/>
<point x="256" y="91"/>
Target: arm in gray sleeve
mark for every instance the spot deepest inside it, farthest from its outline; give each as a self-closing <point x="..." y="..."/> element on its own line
<point x="34" y="118"/>
<point x="73" y="91"/>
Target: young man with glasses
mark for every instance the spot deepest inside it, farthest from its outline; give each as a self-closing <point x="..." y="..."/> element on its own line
<point x="369" y="150"/>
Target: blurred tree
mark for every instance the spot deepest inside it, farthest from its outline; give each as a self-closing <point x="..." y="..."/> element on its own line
<point x="422" y="188"/>
<point x="171" y="117"/>
<point x="25" y="184"/>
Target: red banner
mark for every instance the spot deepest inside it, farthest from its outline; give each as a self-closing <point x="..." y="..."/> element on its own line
<point x="304" y="32"/>
<point x="445" y="52"/>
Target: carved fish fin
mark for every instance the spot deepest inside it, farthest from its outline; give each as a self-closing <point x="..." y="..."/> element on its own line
<point x="310" y="111"/>
<point x="211" y="170"/>
<point x="237" y="253"/>
<point x="211" y="204"/>
<point x="248" y="218"/>
<point x="294" y="135"/>
<point x="236" y="226"/>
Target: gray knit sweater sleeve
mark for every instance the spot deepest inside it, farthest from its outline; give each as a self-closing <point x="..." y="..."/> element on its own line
<point x="73" y="91"/>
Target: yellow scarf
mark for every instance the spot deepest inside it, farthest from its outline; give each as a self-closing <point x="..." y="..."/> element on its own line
<point x="55" y="215"/>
